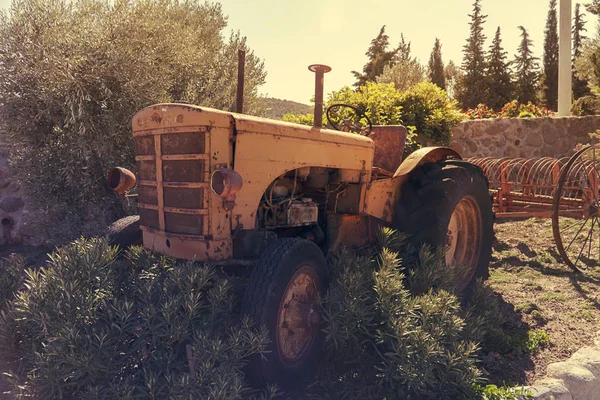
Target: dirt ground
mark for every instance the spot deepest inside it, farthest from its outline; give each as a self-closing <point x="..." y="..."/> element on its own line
<point x="539" y="292"/>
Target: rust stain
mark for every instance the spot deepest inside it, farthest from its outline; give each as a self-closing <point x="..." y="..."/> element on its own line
<point x="156" y="118"/>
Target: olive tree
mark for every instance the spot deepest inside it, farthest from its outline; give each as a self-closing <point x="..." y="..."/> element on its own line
<point x="74" y="72"/>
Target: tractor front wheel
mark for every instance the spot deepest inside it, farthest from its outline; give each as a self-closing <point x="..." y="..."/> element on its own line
<point x="125" y="232"/>
<point x="283" y="295"/>
<point x="448" y="204"/>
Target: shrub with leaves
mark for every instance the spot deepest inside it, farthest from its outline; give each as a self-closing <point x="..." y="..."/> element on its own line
<point x="424" y="109"/>
<point x="482" y="111"/>
<point x="586" y="105"/>
<point x="11" y="270"/>
<point x="389" y="341"/>
<point x="91" y="326"/>
<point x="73" y="74"/>
<point x="514" y="109"/>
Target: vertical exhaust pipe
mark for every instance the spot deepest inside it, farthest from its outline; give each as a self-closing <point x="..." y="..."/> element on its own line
<point x="239" y="101"/>
<point x="320" y="70"/>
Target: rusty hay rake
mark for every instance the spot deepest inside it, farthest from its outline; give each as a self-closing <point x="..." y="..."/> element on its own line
<point x="564" y="189"/>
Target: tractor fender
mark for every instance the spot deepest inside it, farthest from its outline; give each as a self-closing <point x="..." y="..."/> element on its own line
<point x="423" y="156"/>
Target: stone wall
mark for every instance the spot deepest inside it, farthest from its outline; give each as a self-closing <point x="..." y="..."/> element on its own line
<point x="17" y="224"/>
<point x="523" y="137"/>
<point x="578" y="378"/>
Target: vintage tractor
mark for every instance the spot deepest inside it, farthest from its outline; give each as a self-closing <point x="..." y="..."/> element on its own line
<point x="275" y="197"/>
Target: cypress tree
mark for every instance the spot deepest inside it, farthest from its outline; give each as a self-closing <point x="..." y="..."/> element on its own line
<point x="379" y="58"/>
<point x="500" y="86"/>
<point x="436" y="66"/>
<point x="452" y="74"/>
<point x="550" y="75"/>
<point x="580" y="87"/>
<point x="526" y="70"/>
<point x="473" y="85"/>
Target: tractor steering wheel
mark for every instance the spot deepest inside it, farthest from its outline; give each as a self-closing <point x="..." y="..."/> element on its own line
<point x="350" y="123"/>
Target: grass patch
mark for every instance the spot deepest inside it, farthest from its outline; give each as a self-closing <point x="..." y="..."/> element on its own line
<point x="493" y="392"/>
<point x="527" y="307"/>
<point x="554" y="297"/>
<point x="529" y="342"/>
<point x="528" y="273"/>
<point x="585" y="315"/>
<point x="533" y="285"/>
<point x="499" y="275"/>
<point x="545" y="257"/>
<point x="539" y="317"/>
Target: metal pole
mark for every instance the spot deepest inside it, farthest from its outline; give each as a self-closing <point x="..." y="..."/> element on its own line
<point x="320" y="71"/>
<point x="239" y="106"/>
<point x="564" y="60"/>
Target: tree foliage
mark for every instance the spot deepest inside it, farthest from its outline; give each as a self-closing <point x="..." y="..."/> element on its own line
<point x="379" y="57"/>
<point x="550" y="75"/>
<point x="436" y="66"/>
<point x="526" y="70"/>
<point x="500" y="85"/>
<point x="473" y="84"/>
<point x="580" y="87"/>
<point x="74" y="73"/>
<point x="453" y="75"/>
<point x="404" y="71"/>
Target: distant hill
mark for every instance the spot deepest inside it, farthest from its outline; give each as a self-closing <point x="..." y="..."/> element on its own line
<point x="277" y="108"/>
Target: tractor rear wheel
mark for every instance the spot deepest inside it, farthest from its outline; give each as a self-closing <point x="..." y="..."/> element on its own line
<point x="125" y="232"/>
<point x="283" y="295"/>
<point x="448" y="204"/>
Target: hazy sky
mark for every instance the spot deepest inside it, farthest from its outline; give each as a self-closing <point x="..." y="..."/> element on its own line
<point x="289" y="35"/>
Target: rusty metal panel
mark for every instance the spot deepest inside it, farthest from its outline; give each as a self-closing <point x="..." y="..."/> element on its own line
<point x="184" y="171"/>
<point x="389" y="146"/>
<point x="381" y="198"/>
<point x="183" y="197"/>
<point x="247" y="123"/>
<point x="187" y="246"/>
<point x="148" y="217"/>
<point x="183" y="143"/>
<point x="148" y="195"/>
<point x="144" y="145"/>
<point x="146" y="170"/>
<point x="178" y="116"/>
<point x="352" y="231"/>
<point x="425" y="155"/>
<point x="184" y="223"/>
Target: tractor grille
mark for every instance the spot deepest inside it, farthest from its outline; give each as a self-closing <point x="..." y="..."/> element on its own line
<point x="173" y="173"/>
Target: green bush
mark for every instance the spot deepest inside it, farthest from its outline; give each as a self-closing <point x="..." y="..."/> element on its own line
<point x="428" y="108"/>
<point x="11" y="270"/>
<point x="74" y="73"/>
<point x="91" y="326"/>
<point x="388" y="342"/>
<point x="424" y="109"/>
<point x="586" y="105"/>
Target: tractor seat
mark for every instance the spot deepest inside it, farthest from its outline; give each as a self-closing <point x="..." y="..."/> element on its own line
<point x="389" y="148"/>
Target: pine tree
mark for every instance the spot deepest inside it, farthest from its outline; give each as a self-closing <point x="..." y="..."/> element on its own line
<point x="500" y="86"/>
<point x="473" y="85"/>
<point x="526" y="70"/>
<point x="379" y="58"/>
<point x="580" y="87"/>
<point x="436" y="66"/>
<point x="550" y="76"/>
